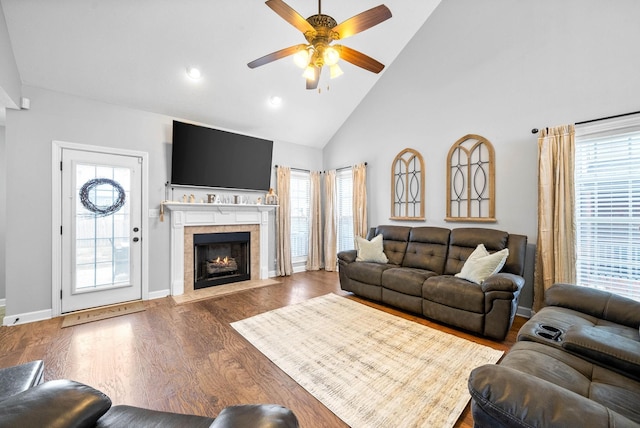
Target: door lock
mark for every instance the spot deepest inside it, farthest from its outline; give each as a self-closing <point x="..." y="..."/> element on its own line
<point x="136" y="239"/>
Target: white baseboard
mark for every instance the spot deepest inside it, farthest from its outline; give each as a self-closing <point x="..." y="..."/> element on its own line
<point x="159" y="294"/>
<point x="524" y="312"/>
<point x="3" y="302"/>
<point x="27" y="317"/>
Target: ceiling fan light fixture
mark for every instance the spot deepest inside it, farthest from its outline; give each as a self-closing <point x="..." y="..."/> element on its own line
<point x="309" y="73"/>
<point x="301" y="58"/>
<point x="331" y="56"/>
<point x="335" y="71"/>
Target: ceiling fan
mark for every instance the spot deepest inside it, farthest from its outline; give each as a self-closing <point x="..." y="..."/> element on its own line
<point x="319" y="31"/>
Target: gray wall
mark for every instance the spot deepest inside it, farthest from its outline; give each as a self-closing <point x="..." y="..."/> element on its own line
<point x="56" y="116"/>
<point x="3" y="214"/>
<point x="10" y="83"/>
<point x="497" y="68"/>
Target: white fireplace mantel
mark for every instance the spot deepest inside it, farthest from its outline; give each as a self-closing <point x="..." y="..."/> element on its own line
<point x="205" y="214"/>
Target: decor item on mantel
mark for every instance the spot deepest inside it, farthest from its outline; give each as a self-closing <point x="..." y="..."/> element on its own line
<point x="471" y="180"/>
<point x="407" y="184"/>
<point x="271" y="198"/>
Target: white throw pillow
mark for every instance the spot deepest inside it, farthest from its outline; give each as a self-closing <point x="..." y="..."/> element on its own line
<point x="480" y="264"/>
<point x="370" y="251"/>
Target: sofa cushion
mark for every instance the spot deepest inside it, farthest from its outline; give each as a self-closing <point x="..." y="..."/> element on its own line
<point x="620" y="353"/>
<point x="370" y="251"/>
<point x="454" y="292"/>
<point x="129" y="416"/>
<point x="598" y="303"/>
<point x="614" y="391"/>
<point x="427" y="249"/>
<point x="368" y="272"/>
<point x="464" y="241"/>
<point x="480" y="264"/>
<point x="395" y="242"/>
<point x="405" y="280"/>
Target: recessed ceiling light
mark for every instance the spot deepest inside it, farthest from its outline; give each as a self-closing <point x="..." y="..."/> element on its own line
<point x="275" y="100"/>
<point x="194" y="73"/>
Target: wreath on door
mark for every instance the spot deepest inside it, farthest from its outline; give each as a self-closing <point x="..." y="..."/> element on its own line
<point x="102" y="210"/>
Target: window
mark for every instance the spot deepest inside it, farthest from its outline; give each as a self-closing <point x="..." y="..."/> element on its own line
<point x="300" y="197"/>
<point x="344" y="209"/>
<point x="607" y="186"/>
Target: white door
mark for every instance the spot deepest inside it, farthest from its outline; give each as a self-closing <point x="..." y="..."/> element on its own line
<point x="101" y="214"/>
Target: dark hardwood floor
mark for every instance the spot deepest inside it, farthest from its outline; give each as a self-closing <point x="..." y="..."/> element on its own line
<point x="187" y="358"/>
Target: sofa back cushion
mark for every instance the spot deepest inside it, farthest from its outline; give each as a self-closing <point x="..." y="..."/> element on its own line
<point x="427" y="249"/>
<point x="395" y="240"/>
<point x="463" y="241"/>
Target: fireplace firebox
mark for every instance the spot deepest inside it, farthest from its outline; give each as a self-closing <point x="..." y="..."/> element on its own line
<point x="221" y="258"/>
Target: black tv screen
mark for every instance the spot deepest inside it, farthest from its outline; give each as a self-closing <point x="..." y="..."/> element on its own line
<point x="210" y="157"/>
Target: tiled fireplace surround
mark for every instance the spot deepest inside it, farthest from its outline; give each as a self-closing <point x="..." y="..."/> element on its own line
<point x="189" y="219"/>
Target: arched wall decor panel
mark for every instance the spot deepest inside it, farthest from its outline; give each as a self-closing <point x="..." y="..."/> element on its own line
<point x="471" y="180"/>
<point x="407" y="186"/>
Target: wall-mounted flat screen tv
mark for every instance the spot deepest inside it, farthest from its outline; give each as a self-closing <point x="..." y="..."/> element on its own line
<point x="207" y="157"/>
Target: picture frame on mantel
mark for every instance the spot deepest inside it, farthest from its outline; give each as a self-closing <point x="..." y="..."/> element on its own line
<point x="407" y="186"/>
<point x="471" y="180"/>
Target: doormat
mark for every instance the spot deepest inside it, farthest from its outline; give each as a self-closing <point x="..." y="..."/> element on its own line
<point x="221" y="290"/>
<point x="82" y="317"/>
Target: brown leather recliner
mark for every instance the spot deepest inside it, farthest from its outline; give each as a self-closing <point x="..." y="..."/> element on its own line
<point x="65" y="403"/>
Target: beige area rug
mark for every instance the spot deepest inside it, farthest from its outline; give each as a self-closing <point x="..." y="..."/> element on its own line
<point x="222" y="290"/>
<point x="370" y="368"/>
<point x="82" y="317"/>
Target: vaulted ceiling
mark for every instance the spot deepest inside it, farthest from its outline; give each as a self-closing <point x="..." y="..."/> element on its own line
<point x="135" y="54"/>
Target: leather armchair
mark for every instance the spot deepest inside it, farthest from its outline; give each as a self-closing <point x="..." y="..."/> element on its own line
<point x="67" y="404"/>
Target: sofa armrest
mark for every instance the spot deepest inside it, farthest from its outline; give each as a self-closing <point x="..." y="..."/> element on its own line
<point x="503" y="282"/>
<point x="618" y="352"/>
<point x="55" y="404"/>
<point x="597" y="303"/>
<point x="348" y="256"/>
<point x="505" y="397"/>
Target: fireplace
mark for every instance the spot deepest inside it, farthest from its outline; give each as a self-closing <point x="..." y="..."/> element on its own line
<point x="221" y="258"/>
<point x="189" y="219"/>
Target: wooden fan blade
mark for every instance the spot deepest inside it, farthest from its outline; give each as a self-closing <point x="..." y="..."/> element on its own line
<point x="358" y="58"/>
<point x="313" y="83"/>
<point x="276" y="55"/>
<point x="291" y="16"/>
<point x="362" y="21"/>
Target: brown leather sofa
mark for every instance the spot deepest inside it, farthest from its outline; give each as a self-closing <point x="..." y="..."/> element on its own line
<point x="26" y="401"/>
<point x="576" y="364"/>
<point x="420" y="276"/>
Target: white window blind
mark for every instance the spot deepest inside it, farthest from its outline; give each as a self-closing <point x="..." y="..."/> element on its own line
<point x="344" y="210"/>
<point x="607" y="185"/>
<point x="300" y="200"/>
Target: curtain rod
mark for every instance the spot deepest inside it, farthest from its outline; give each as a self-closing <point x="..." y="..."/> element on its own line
<point x="296" y="169"/>
<point x="608" y="117"/>
<point x="306" y="170"/>
<point x="535" y="130"/>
